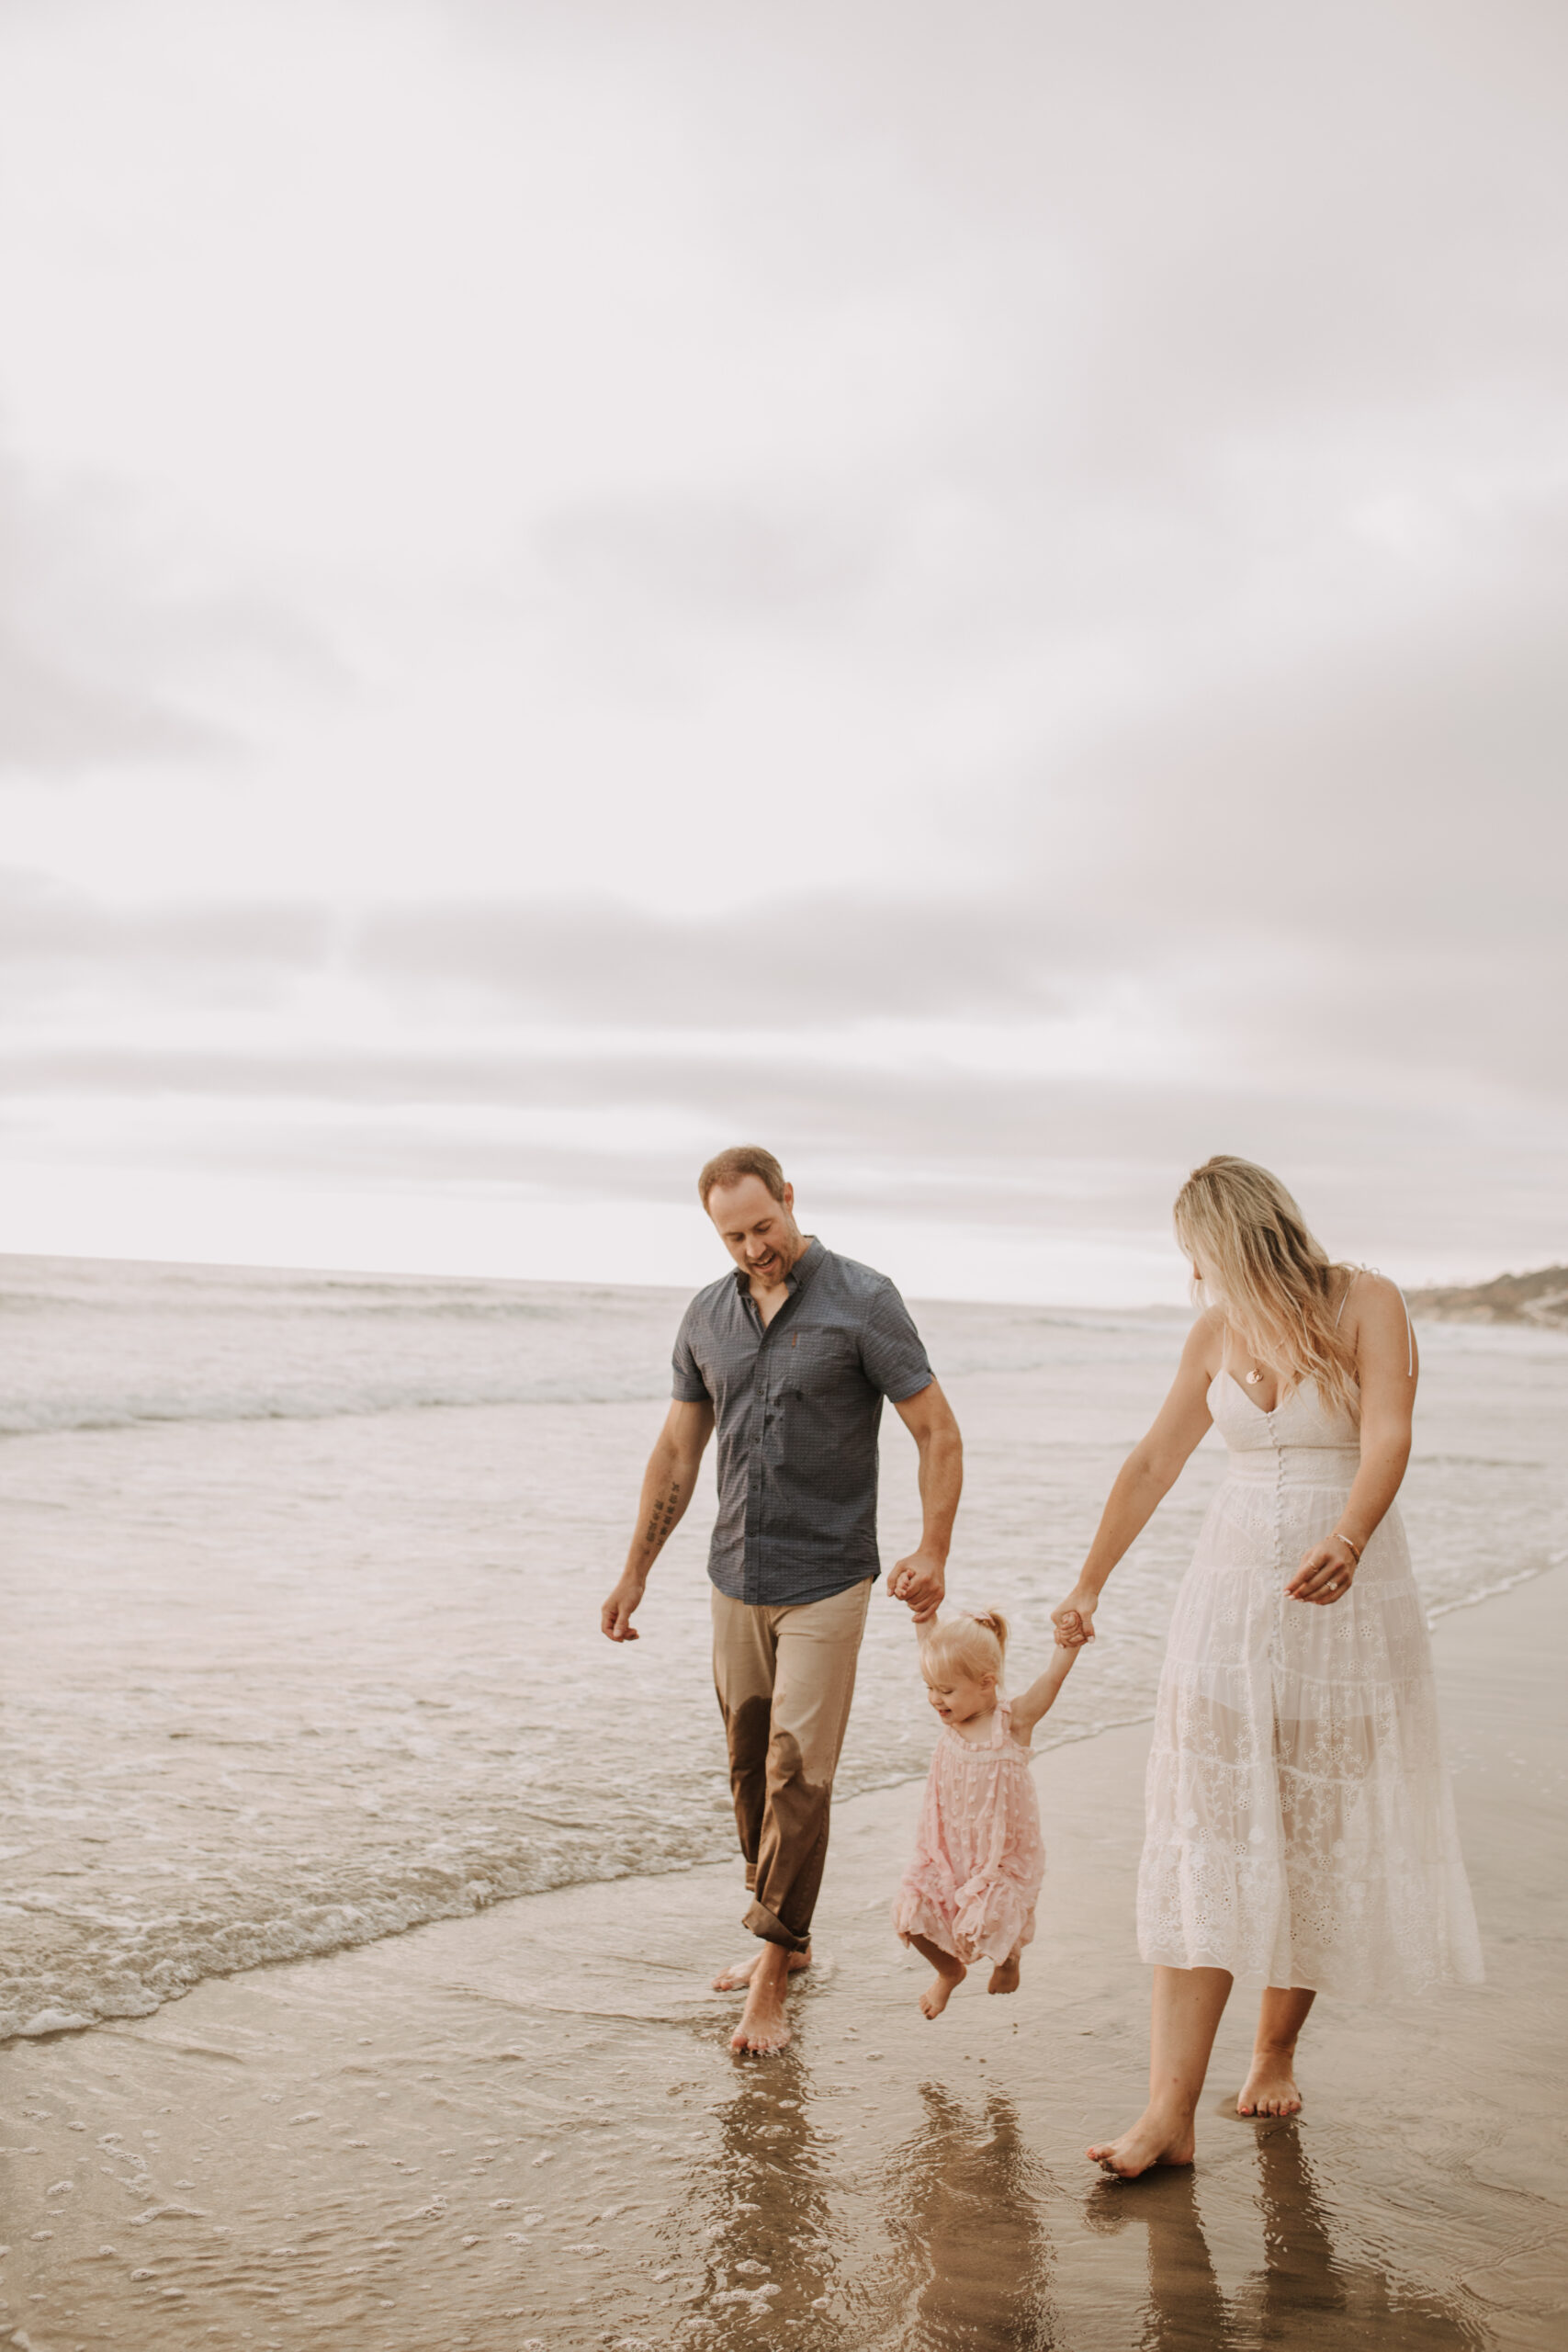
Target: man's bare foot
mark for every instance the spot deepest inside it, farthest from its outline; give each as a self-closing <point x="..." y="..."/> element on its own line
<point x="1153" y="2139"/>
<point x="1005" y="1975"/>
<point x="763" y="2025"/>
<point x="736" y="1978"/>
<point x="1269" y="2088"/>
<point x="950" y="1975"/>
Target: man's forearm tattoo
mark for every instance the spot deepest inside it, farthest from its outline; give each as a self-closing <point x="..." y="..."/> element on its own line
<point x="663" y="1516"/>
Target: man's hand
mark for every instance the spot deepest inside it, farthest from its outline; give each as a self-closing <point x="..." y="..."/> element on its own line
<point x="615" y="1617"/>
<point x="920" y="1581"/>
<point x="667" y="1488"/>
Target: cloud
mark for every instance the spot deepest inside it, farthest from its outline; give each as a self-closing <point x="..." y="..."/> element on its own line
<point x="973" y="591"/>
<point x="54" y="723"/>
<point x="1001" y="1167"/>
<point x="815" y="959"/>
<point x="67" y="703"/>
<point x="114" y="658"/>
<point x="58" y="944"/>
<point x="947" y="1120"/>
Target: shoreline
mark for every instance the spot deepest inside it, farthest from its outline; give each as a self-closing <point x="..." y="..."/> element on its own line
<point x="522" y="2127"/>
<point x="69" y="2030"/>
<point x="64" y="2028"/>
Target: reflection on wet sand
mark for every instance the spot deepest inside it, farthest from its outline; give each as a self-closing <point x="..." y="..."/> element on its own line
<point x="1305" y="2295"/>
<point x="783" y="2238"/>
<point x="1185" y="2311"/>
<point x="759" y="2209"/>
<point x="944" y="2245"/>
<point x="1304" y="2278"/>
<point x="963" y="2205"/>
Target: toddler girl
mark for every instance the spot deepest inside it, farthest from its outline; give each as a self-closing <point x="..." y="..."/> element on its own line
<point x="971" y="1889"/>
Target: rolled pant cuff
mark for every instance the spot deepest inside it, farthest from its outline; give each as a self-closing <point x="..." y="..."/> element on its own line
<point x="771" y="1927"/>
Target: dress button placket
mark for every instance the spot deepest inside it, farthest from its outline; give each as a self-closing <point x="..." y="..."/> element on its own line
<point x="1277" y="1638"/>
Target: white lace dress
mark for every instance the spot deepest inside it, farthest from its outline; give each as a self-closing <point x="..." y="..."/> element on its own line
<point x="1300" y="1823"/>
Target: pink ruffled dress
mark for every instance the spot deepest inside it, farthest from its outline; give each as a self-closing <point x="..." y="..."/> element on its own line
<point x="979" y="1857"/>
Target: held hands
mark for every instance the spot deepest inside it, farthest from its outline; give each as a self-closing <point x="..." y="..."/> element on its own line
<point x="920" y="1581"/>
<point x="1327" y="1572"/>
<point x="1074" y="1619"/>
<point x="615" y="1617"/>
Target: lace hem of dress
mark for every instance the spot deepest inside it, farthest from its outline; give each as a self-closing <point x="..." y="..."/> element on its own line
<point x="985" y="1919"/>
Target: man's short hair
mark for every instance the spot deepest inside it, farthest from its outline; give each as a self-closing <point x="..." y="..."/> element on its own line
<point x="741" y="1159"/>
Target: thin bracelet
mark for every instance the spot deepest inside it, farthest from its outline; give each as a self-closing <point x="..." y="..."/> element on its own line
<point x="1339" y="1536"/>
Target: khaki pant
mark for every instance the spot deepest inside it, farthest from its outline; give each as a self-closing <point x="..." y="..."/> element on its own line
<point x="784" y="1679"/>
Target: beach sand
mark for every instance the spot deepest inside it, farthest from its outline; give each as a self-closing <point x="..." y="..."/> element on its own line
<point x="525" y="2129"/>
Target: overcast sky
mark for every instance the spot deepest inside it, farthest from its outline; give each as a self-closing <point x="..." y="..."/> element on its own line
<point x="974" y="591"/>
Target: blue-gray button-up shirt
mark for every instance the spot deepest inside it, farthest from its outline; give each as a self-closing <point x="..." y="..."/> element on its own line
<point x="796" y="1406"/>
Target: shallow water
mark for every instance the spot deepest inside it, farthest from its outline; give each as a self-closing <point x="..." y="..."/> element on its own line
<point x="301" y="1578"/>
<point x="525" y="2129"/>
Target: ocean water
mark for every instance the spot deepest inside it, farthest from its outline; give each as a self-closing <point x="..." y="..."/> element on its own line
<point x="301" y="1575"/>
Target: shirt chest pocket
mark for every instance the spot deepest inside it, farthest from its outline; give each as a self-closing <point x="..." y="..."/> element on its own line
<point x="818" y="1365"/>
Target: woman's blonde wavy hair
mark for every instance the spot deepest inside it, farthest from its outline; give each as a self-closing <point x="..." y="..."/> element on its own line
<point x="1268" y="1275"/>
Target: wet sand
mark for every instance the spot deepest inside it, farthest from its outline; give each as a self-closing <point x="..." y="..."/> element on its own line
<point x="523" y="2129"/>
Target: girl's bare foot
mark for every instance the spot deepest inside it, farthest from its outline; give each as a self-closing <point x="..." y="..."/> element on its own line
<point x="736" y="1978"/>
<point x="1269" y="2088"/>
<point x="950" y="1975"/>
<point x="1005" y="1975"/>
<point x="1153" y="2139"/>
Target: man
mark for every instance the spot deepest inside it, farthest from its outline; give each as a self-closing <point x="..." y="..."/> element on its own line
<point x="791" y="1357"/>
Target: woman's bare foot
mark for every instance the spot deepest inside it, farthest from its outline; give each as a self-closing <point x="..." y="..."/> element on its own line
<point x="1005" y="1975"/>
<point x="1153" y="2139"/>
<point x="1269" y="2088"/>
<point x="736" y="1978"/>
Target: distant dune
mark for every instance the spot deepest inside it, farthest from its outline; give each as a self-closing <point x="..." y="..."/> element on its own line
<point x="1541" y="1298"/>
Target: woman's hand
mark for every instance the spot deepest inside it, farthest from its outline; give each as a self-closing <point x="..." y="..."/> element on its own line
<point x="1074" y="1618"/>
<point x="1327" y="1572"/>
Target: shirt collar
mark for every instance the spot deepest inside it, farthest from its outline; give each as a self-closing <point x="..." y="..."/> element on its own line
<point x="799" y="1275"/>
<point x="806" y="1265"/>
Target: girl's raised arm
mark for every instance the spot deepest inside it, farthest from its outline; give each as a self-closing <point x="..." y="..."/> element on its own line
<point x="1147" y="1476"/>
<point x="1041" y="1695"/>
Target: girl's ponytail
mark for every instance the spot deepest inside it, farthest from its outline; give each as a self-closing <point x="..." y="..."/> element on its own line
<point x="973" y="1639"/>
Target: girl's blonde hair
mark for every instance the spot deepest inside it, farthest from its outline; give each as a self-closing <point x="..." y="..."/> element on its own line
<point x="976" y="1645"/>
<point x="1268" y="1275"/>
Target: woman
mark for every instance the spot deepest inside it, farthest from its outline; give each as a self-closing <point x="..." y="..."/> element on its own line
<point x="1299" y="1826"/>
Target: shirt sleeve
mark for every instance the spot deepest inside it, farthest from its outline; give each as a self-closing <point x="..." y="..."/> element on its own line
<point x="689" y="1386"/>
<point x="891" y="1349"/>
